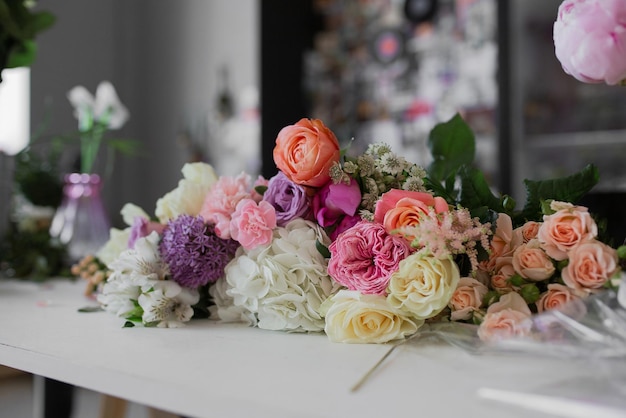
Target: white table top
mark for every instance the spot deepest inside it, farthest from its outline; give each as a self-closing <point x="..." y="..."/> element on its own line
<point x="212" y="369"/>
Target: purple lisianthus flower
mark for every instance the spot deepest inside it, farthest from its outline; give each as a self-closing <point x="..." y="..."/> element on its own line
<point x="334" y="201"/>
<point x="288" y="198"/>
<point x="142" y="227"/>
<point x="194" y="253"/>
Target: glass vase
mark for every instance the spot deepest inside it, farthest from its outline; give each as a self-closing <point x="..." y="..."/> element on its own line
<point x="81" y="222"/>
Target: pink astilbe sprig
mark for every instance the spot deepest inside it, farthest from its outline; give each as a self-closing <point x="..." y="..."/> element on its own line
<point x="450" y="233"/>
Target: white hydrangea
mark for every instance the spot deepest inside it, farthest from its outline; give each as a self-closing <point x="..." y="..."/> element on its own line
<point x="281" y="285"/>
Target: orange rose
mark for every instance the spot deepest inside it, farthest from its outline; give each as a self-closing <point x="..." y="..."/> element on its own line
<point x="565" y="229"/>
<point x="591" y="265"/>
<point x="304" y="152"/>
<point x="531" y="262"/>
<point x="401" y="208"/>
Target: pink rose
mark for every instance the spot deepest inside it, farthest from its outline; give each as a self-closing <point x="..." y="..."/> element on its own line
<point x="364" y="257"/>
<point x="401" y="208"/>
<point x="555" y="297"/>
<point x="565" y="229"/>
<point x="509" y="317"/>
<point x="503" y="271"/>
<point x="591" y="265"/>
<point x="467" y="298"/>
<point x="221" y="201"/>
<point x="253" y="223"/>
<point x="590" y="40"/>
<point x="531" y="262"/>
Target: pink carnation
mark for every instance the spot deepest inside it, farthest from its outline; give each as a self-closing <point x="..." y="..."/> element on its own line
<point x="364" y="257"/>
<point x="221" y="202"/>
<point x="253" y="223"/>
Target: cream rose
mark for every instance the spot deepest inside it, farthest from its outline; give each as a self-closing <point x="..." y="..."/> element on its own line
<point x="509" y="317"/>
<point x="423" y="285"/>
<point x="189" y="196"/>
<point x="531" y="262"/>
<point x="352" y="317"/>
<point x="591" y="265"/>
<point x="467" y="298"/>
<point x="565" y="229"/>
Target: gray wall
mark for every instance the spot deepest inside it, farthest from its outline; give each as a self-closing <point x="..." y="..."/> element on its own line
<point x="163" y="57"/>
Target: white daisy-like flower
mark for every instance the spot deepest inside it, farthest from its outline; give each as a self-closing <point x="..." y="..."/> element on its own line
<point x="104" y="107"/>
<point x="167" y="304"/>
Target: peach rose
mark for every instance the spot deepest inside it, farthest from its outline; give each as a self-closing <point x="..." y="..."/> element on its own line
<point x="304" y="152"/>
<point x="504" y="241"/>
<point x="531" y="262"/>
<point x="400" y="208"/>
<point x="467" y="297"/>
<point x="503" y="271"/>
<point x="555" y="297"/>
<point x="565" y="229"/>
<point x="591" y="265"/>
<point x="509" y="317"/>
<point x="529" y="230"/>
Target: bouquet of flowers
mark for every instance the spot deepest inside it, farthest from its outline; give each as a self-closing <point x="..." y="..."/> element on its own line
<point x="366" y="249"/>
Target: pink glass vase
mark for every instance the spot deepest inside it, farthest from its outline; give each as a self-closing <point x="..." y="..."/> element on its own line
<point x="81" y="222"/>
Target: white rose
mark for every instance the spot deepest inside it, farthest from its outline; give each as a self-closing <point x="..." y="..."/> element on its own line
<point x="117" y="243"/>
<point x="188" y="197"/>
<point x="352" y="317"/>
<point x="423" y="285"/>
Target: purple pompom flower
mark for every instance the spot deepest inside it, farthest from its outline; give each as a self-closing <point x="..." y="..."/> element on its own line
<point x="194" y="253"/>
<point x="288" y="198"/>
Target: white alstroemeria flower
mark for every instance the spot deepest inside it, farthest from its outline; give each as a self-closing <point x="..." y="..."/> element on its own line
<point x="118" y="295"/>
<point x="143" y="261"/>
<point x="168" y="304"/>
<point x="105" y="107"/>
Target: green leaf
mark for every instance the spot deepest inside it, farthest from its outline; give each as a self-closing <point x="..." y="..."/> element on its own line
<point x="565" y="189"/>
<point x="88" y="309"/>
<point x="260" y="189"/>
<point x="22" y="55"/>
<point x="322" y="249"/>
<point x="476" y="193"/>
<point x="452" y="145"/>
<point x="124" y="145"/>
<point x="40" y="21"/>
<point x="128" y="324"/>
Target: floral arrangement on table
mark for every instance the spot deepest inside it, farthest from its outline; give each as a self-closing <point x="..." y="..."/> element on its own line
<point x="367" y="249"/>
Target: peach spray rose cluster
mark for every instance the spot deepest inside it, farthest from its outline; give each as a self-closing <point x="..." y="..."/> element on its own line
<point x="540" y="266"/>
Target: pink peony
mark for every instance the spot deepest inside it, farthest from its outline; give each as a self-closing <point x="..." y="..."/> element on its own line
<point x="590" y="40"/>
<point x="509" y="317"/>
<point x="364" y="257"/>
<point x="221" y="201"/>
<point x="253" y="223"/>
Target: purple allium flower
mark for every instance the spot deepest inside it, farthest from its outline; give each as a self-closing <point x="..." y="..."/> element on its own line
<point x="288" y="198"/>
<point x="194" y="253"/>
